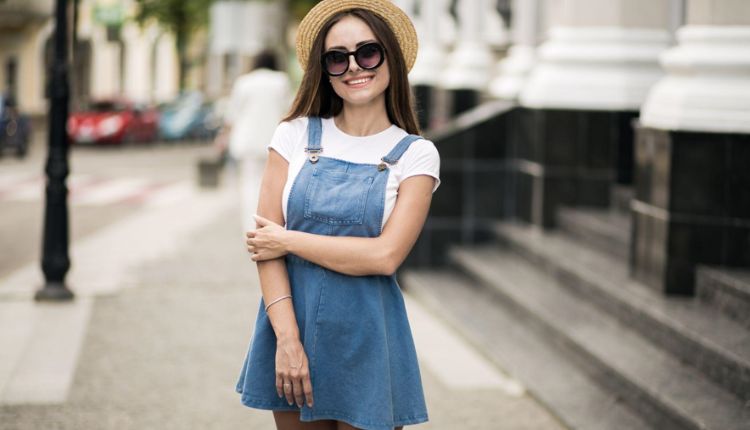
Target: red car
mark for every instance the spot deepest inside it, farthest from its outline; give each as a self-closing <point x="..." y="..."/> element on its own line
<point x="113" y="121"/>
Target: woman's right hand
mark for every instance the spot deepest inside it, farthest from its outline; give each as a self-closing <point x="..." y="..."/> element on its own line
<point x="293" y="372"/>
<point x="268" y="241"/>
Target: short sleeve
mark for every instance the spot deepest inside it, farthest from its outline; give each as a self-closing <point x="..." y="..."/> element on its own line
<point x="422" y="158"/>
<point x="285" y="138"/>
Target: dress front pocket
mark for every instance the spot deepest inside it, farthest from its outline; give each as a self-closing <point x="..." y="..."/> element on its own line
<point x="337" y="197"/>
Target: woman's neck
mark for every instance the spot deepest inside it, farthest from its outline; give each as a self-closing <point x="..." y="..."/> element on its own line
<point x="362" y="120"/>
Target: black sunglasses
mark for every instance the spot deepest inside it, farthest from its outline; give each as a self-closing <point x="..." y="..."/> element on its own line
<point x="368" y="56"/>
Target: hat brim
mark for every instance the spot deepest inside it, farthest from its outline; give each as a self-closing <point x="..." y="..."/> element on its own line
<point x="396" y="19"/>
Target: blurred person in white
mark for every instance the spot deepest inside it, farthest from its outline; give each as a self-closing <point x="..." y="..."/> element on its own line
<point x="257" y="103"/>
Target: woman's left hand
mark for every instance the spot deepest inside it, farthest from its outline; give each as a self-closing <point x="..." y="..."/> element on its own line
<point x="266" y="242"/>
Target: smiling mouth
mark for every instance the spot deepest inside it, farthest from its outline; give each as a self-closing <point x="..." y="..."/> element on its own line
<point x="358" y="81"/>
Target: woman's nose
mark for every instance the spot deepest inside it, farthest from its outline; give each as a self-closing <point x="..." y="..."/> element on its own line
<point x="353" y="65"/>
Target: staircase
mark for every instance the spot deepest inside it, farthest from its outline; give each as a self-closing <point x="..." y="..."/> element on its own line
<point x="559" y="311"/>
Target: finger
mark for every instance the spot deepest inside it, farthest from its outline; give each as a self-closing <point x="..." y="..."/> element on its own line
<point x="250" y="233"/>
<point x="307" y="385"/>
<point x="298" y="392"/>
<point x="260" y="221"/>
<point x="279" y="386"/>
<point x="264" y="223"/>
<point x="288" y="391"/>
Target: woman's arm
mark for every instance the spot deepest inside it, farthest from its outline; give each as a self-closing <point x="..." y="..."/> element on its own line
<point x="380" y="255"/>
<point x="292" y="371"/>
<point x="274" y="280"/>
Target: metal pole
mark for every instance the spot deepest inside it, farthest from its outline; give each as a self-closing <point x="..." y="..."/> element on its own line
<point x="55" y="260"/>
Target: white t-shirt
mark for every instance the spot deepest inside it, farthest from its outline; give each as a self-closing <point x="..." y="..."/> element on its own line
<point x="258" y="101"/>
<point x="422" y="158"/>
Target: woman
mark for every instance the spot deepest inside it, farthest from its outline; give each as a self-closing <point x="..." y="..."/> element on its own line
<point x="346" y="173"/>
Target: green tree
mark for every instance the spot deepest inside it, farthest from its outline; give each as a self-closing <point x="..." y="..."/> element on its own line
<point x="301" y="7"/>
<point x="180" y="17"/>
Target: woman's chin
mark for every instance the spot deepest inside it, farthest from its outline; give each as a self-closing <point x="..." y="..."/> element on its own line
<point x="361" y="98"/>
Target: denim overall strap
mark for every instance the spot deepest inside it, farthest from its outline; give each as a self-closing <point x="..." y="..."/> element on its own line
<point x="400" y="148"/>
<point x="314" y="131"/>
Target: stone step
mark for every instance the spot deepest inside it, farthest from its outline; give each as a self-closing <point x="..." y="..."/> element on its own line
<point x="497" y="332"/>
<point x="727" y="289"/>
<point x="698" y="334"/>
<point x="603" y="229"/>
<point x="663" y="391"/>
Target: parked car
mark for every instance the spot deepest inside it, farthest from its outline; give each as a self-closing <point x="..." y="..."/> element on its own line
<point x="113" y="121"/>
<point x="15" y="128"/>
<point x="189" y="116"/>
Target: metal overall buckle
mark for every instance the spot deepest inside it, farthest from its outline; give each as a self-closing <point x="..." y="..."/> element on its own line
<point x="384" y="164"/>
<point x="313" y="157"/>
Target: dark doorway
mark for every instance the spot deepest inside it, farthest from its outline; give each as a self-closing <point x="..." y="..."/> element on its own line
<point x="11" y="78"/>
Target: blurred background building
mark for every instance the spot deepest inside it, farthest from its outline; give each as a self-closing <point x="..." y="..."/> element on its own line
<point x="26" y="28"/>
<point x="112" y="55"/>
<point x="239" y="30"/>
<point x="596" y="191"/>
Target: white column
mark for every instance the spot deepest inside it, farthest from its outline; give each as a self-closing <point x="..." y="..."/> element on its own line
<point x="215" y="76"/>
<point x="105" y="68"/>
<point x="495" y="29"/>
<point x="32" y="72"/>
<point x="254" y="22"/>
<point x="676" y="15"/>
<point x="167" y="69"/>
<point x="600" y="55"/>
<point x="432" y="52"/>
<point x="448" y="28"/>
<point x="514" y="69"/>
<point x="137" y="65"/>
<point x="407" y="6"/>
<point x="470" y="64"/>
<point x="707" y="82"/>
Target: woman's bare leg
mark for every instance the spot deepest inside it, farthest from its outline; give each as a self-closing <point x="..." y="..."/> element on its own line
<point x="340" y="425"/>
<point x="289" y="420"/>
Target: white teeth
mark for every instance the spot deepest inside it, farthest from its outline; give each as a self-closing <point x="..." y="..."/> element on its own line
<point x="358" y="81"/>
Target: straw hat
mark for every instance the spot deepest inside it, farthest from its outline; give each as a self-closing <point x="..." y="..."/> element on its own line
<point x="396" y="19"/>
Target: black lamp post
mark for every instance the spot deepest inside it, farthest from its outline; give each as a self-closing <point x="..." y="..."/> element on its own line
<point x="55" y="259"/>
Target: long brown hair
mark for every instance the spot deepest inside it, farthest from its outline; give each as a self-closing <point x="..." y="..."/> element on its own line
<point x="316" y="96"/>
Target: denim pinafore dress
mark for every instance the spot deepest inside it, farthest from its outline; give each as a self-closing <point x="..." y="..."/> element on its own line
<point x="363" y="365"/>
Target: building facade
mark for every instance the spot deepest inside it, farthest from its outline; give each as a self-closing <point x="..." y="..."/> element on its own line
<point x="617" y="100"/>
<point x="601" y="205"/>
<point x="112" y="56"/>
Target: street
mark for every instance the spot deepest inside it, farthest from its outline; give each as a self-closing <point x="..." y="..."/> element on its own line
<point x="165" y="302"/>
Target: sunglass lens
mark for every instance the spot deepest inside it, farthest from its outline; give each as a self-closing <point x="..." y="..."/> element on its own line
<point x="336" y="62"/>
<point x="369" y="56"/>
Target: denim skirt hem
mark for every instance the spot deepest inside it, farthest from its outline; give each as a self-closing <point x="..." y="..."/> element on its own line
<point x="307" y="415"/>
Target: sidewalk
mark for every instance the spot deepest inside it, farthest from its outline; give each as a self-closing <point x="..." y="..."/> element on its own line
<point x="162" y="341"/>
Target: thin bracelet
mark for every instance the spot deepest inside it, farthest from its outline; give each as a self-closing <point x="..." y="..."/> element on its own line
<point x="289" y="296"/>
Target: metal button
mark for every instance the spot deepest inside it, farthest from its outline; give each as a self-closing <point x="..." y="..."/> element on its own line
<point x="382" y="167"/>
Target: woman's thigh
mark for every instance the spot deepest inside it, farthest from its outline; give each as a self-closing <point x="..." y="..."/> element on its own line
<point x="289" y="420"/>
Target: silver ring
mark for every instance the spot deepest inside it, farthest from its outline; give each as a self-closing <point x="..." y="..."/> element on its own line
<point x="287" y="385"/>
